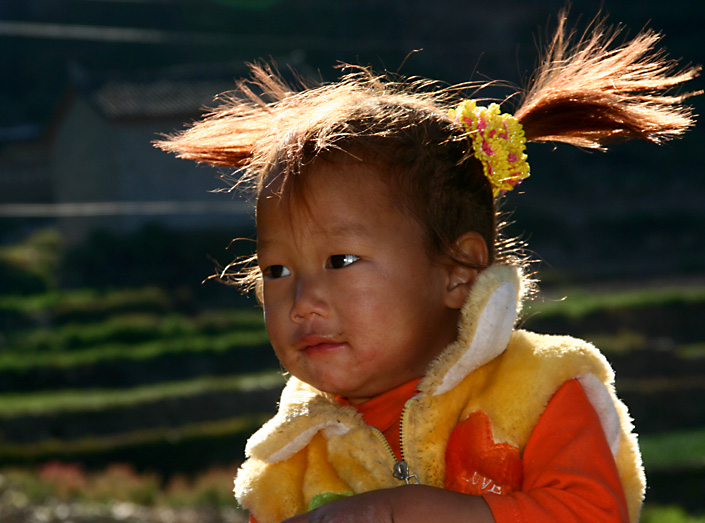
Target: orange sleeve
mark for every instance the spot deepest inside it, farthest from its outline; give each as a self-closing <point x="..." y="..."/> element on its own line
<point x="569" y="472"/>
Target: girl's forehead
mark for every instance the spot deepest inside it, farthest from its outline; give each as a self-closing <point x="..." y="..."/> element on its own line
<point x="329" y="196"/>
<point x="328" y="181"/>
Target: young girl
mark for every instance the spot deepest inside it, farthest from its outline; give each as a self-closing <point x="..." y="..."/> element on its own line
<point x="392" y="302"/>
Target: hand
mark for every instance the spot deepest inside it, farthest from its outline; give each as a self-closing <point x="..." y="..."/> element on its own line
<point x="371" y="507"/>
<point x="406" y="504"/>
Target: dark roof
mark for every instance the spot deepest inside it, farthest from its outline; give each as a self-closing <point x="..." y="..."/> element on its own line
<point x="171" y="92"/>
<point x="158" y="98"/>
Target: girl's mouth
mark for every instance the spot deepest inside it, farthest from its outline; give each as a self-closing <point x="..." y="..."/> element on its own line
<point x="311" y="344"/>
<point x="322" y="347"/>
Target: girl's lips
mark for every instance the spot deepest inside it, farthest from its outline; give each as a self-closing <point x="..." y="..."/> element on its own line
<point x="314" y="344"/>
<point x="322" y="347"/>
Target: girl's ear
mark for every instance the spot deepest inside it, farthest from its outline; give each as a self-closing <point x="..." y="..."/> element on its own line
<point x="472" y="248"/>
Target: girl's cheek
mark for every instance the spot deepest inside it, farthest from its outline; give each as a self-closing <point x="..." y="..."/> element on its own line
<point x="275" y="312"/>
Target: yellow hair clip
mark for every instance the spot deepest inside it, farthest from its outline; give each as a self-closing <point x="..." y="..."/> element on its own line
<point x="498" y="142"/>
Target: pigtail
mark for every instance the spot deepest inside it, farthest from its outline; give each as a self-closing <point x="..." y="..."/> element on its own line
<point x="589" y="93"/>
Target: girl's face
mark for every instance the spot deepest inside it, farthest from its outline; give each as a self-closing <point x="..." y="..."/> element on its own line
<point x="352" y="303"/>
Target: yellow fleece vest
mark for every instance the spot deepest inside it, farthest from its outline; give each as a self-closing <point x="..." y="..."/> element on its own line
<point x="314" y="446"/>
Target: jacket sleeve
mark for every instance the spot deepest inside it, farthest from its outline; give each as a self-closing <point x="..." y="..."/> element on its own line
<point x="569" y="472"/>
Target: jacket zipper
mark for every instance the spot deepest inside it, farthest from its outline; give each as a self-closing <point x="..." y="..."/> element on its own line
<point x="400" y="470"/>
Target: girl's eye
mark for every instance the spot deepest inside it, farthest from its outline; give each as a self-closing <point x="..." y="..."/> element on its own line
<point x="338" y="261"/>
<point x="274" y="272"/>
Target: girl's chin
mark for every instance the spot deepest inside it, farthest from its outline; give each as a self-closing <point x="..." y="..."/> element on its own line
<point x="338" y="387"/>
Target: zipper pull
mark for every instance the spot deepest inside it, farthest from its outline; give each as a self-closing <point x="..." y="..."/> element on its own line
<point x="401" y="471"/>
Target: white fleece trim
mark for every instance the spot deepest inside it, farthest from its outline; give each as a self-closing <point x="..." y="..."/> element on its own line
<point x="494" y="328"/>
<point x="294" y="445"/>
<point x="336" y="429"/>
<point x="601" y="400"/>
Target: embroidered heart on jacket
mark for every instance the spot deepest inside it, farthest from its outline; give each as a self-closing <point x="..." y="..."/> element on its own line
<point x="475" y="464"/>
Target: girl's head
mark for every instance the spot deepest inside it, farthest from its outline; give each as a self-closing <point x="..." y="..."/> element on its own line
<point x="391" y="157"/>
<point x="368" y="228"/>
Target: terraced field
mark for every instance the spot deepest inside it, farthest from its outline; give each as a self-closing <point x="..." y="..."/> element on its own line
<point x="123" y="376"/>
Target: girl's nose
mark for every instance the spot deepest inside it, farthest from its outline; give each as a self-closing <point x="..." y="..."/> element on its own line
<point x="309" y="300"/>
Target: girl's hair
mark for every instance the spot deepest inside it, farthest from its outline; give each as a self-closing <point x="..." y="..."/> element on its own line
<point x="588" y="92"/>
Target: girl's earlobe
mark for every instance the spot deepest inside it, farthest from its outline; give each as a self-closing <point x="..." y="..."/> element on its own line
<point x="471" y="248"/>
<point x="460" y="281"/>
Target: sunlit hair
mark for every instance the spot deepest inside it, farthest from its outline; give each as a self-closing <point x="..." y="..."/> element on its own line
<point x="588" y="92"/>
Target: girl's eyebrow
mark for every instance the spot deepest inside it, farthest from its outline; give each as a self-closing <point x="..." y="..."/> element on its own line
<point x="263" y="244"/>
<point x="346" y="229"/>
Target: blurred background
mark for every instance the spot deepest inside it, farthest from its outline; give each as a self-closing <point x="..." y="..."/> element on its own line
<point x="128" y="385"/>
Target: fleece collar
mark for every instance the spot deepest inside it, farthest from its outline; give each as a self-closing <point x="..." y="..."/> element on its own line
<point x="486" y="323"/>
